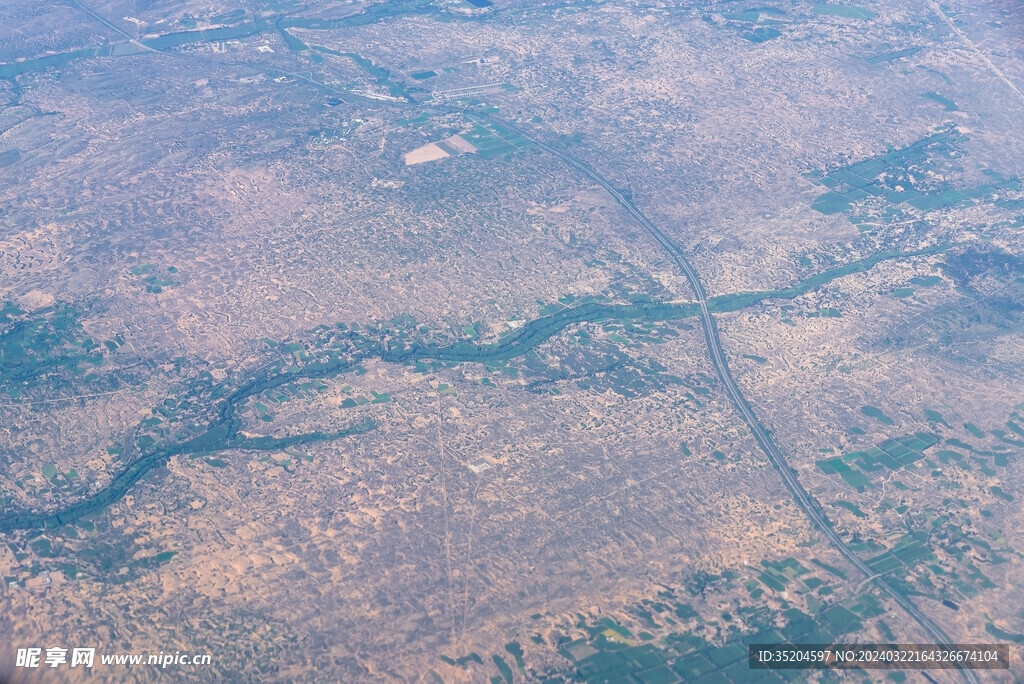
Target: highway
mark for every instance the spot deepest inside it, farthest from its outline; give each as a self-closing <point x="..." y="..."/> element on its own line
<point x="775" y="455"/>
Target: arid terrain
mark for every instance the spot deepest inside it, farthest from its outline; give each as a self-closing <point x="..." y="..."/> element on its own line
<point x="470" y="341"/>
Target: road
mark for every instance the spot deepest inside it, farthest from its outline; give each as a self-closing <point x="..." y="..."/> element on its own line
<point x="775" y="455"/>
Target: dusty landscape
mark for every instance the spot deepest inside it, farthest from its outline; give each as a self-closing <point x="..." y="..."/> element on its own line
<point x="459" y="341"/>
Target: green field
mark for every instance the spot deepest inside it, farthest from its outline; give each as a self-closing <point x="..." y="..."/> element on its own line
<point x="876" y="413"/>
<point x="761" y="34"/>
<point x="974" y="430"/>
<point x="492" y="140"/>
<point x="926" y="281"/>
<point x="893" y="55"/>
<point x="890" y="454"/>
<point x="852" y="508"/>
<point x="888" y="177"/>
<point x="946" y="103"/>
<point x="1003" y="635"/>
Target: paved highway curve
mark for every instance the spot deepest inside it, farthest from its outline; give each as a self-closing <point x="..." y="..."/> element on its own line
<point x="764" y="439"/>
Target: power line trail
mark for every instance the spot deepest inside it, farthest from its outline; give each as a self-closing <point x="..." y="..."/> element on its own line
<point x="975" y="49"/>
